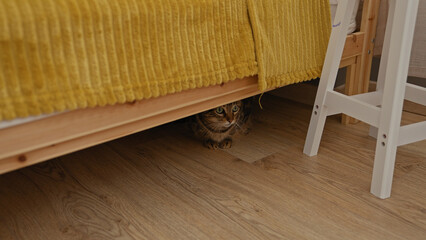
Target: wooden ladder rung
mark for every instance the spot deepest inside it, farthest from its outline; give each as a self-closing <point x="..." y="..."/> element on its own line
<point x="373" y="98"/>
<point x="415" y="94"/>
<point x="340" y="103"/>
<point x="412" y="133"/>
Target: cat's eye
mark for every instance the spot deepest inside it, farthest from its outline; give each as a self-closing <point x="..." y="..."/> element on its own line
<point x="219" y="110"/>
<point x="235" y="108"/>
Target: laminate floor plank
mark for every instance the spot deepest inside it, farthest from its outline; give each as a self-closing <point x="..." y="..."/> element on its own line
<point x="163" y="184"/>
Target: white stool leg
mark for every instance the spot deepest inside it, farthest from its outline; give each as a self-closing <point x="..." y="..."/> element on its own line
<point x="392" y="79"/>
<point x="383" y="62"/>
<point x="328" y="76"/>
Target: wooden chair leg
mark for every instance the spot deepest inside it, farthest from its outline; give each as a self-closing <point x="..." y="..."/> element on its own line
<point x="369" y="26"/>
<point x="350" y="88"/>
<point x="392" y="79"/>
<point x="328" y="76"/>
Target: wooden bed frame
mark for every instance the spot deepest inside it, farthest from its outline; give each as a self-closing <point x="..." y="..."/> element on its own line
<point x="40" y="140"/>
<point x="359" y="63"/>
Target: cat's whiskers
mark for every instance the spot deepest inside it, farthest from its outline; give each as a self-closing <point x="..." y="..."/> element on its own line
<point x="218" y="125"/>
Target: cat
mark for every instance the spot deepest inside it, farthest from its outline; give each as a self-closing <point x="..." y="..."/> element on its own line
<point x="217" y="126"/>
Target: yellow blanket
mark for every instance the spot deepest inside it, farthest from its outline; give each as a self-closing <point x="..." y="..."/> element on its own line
<point x="58" y="55"/>
<point x="291" y="39"/>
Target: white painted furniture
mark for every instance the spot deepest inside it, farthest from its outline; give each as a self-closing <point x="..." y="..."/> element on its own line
<point x="392" y="86"/>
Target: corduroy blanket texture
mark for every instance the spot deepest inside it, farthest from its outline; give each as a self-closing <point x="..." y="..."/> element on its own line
<point x="58" y="55"/>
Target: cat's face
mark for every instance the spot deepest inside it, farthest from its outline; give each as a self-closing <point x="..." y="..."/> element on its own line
<point x="223" y="117"/>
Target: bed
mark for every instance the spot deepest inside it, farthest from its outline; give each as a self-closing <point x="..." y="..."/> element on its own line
<point x="29" y="142"/>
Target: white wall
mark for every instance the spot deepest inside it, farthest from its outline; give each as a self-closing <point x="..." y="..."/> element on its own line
<point x="418" y="54"/>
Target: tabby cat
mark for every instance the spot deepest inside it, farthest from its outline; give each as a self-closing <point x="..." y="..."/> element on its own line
<point x="217" y="126"/>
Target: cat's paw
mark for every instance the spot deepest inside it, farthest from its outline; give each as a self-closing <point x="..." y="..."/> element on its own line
<point x="227" y="143"/>
<point x="211" y="145"/>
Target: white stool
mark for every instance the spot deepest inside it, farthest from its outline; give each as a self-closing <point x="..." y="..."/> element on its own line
<point x="391" y="87"/>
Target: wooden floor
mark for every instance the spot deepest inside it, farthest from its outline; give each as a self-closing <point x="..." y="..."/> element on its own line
<point x="163" y="184"/>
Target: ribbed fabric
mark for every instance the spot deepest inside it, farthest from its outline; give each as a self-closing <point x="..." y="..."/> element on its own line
<point x="58" y="55"/>
<point x="291" y="39"/>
